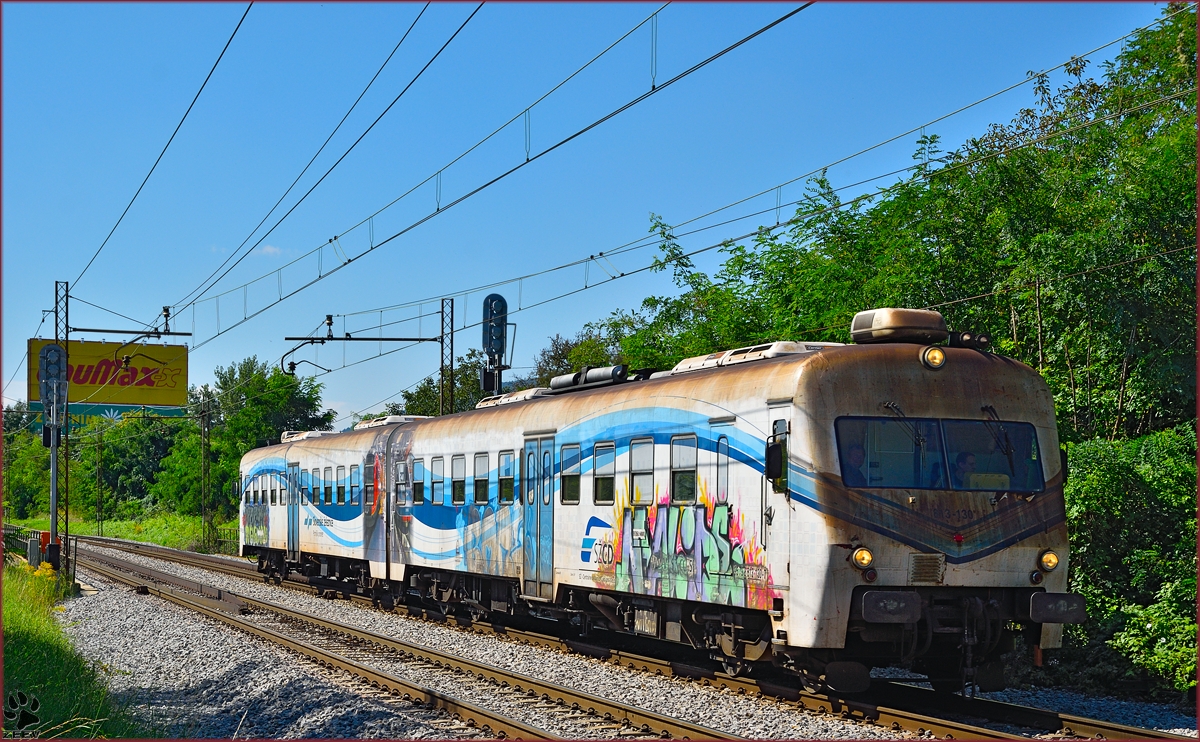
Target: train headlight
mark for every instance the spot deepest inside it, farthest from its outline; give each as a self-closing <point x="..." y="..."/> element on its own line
<point x="862" y="557"/>
<point x="933" y="357"/>
<point x="1048" y="561"/>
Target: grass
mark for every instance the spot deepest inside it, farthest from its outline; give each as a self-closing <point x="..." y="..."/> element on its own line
<point x="71" y="696"/>
<point x="169" y="529"/>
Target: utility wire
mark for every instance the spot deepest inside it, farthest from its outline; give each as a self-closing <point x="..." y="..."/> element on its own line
<point x="351" y="148"/>
<point x="164" y="149"/>
<point x="320" y="149"/>
<point x="649" y="240"/>
<point x="804" y="217"/>
<point x="491" y="182"/>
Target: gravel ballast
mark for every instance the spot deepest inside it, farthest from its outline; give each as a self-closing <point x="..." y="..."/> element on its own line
<point x="186" y="676"/>
<point x="725" y="710"/>
<point x="713" y="707"/>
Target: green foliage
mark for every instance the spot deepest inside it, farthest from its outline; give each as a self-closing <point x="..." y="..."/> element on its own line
<point x="40" y="661"/>
<point x="1131" y="507"/>
<point x="1068" y="234"/>
<point x="26" y="475"/>
<point x="425" y="397"/>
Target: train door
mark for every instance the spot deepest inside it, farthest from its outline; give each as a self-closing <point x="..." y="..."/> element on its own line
<point x="292" y="498"/>
<point x="775" y="492"/>
<point x="538" y="517"/>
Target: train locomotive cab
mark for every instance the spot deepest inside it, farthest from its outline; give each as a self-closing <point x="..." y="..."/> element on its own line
<point x="939" y="472"/>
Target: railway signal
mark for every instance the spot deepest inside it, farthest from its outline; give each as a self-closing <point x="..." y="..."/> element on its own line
<point x="495" y="341"/>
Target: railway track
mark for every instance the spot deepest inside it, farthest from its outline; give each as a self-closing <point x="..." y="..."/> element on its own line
<point x="337" y="645"/>
<point x="899" y="706"/>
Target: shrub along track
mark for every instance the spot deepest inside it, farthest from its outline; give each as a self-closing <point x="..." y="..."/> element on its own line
<point x="908" y="707"/>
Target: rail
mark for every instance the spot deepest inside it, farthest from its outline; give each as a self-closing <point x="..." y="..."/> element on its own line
<point x="903" y="708"/>
<point x="225" y="611"/>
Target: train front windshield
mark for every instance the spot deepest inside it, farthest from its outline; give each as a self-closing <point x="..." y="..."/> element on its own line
<point x="922" y="453"/>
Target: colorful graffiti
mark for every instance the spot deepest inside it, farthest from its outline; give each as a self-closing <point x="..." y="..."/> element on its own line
<point x="255" y="524"/>
<point x="702" y="551"/>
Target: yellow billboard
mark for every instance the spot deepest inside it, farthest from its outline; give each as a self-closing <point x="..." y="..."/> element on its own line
<point x="97" y="373"/>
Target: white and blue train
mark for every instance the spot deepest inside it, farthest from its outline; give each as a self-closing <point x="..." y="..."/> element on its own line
<point x="824" y="508"/>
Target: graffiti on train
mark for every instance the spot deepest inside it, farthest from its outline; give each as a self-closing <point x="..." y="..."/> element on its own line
<point x="707" y="551"/>
<point x="254" y="524"/>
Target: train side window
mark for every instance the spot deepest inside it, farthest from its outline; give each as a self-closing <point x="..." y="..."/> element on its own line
<point x="722" y="469"/>
<point x="530" y="479"/>
<point x="506" y="475"/>
<point x="683" y="468"/>
<point x="481" y="478"/>
<point x="570" y="475"/>
<point x="604" y="471"/>
<point x="399" y="482"/>
<point x="273" y="491"/>
<point x="418" y="484"/>
<point x="316" y="486"/>
<point x="641" y="471"/>
<point x="341" y="485"/>
<point x="458" y="480"/>
<point x="355" y="484"/>
<point x="304" y="483"/>
<point x="328" y="482"/>
<point x="437" y="473"/>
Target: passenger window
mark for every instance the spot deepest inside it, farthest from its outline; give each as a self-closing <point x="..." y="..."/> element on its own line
<point x="604" y="470"/>
<point x="400" y="482"/>
<point x="683" y="468"/>
<point x="570" y="475"/>
<point x="341" y="485"/>
<point x="418" y="485"/>
<point x="722" y="469"/>
<point x="273" y="491"/>
<point x="641" y="471"/>
<point x="369" y="478"/>
<point x="506" y="476"/>
<point x="328" y="485"/>
<point x="355" y="484"/>
<point x="304" y="484"/>
<point x="437" y="472"/>
<point x="316" y="486"/>
<point x="530" y="479"/>
<point x="458" y="480"/>
<point x="481" y="478"/>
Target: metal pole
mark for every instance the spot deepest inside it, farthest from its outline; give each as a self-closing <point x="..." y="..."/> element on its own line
<point x="205" y="514"/>
<point x="446" y="398"/>
<point x="100" y="484"/>
<point x="62" y="423"/>
<point x="53" y="458"/>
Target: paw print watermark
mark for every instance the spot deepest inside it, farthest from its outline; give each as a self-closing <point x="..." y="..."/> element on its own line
<point x="20" y="716"/>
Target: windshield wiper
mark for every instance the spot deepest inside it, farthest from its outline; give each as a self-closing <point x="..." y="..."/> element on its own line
<point x="997" y="429"/>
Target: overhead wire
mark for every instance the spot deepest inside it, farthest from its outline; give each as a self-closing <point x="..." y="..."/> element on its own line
<point x="168" y="144"/>
<point x="313" y="159"/>
<point x="350" y="149"/>
<point x="650" y="240"/>
<point x="351" y="259"/>
<point x="802" y="217"/>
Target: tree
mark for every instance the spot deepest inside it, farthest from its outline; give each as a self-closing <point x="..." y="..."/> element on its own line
<point x="424" y="399"/>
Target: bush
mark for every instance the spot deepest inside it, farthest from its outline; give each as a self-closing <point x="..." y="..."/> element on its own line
<point x="1131" y="511"/>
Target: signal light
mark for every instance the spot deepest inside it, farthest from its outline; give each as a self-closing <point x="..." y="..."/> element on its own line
<point x="1036" y="577"/>
<point x="870" y="575"/>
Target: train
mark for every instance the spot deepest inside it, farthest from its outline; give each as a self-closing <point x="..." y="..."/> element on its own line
<point x="816" y="508"/>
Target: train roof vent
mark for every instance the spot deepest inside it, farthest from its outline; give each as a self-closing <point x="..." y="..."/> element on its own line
<point x="696" y="363"/>
<point x="376" y="422"/>
<point x="890" y="325"/>
<point x="298" y="435"/>
<point x="510" y="397"/>
<point x="743" y="355"/>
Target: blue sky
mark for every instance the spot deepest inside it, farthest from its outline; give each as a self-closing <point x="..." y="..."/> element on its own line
<point x="91" y="92"/>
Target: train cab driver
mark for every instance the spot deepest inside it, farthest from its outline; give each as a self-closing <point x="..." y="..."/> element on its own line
<point x="964" y="466"/>
<point x="852" y="474"/>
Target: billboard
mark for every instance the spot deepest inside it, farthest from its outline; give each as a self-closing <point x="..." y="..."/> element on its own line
<point x="157" y="374"/>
